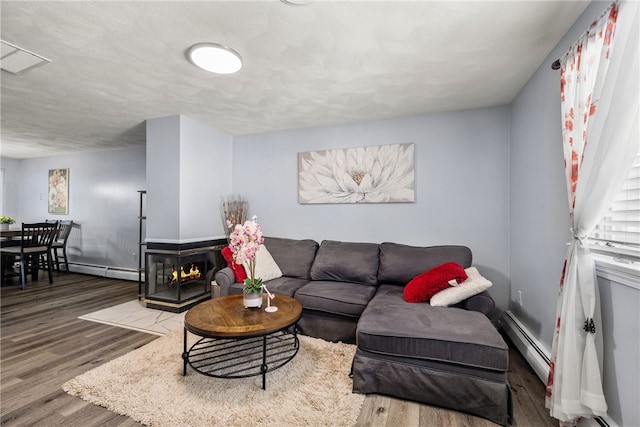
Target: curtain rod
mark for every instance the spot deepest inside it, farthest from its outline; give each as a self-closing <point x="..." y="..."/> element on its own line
<point x="556" y="64"/>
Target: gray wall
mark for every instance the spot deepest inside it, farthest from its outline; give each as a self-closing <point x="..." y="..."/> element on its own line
<point x="103" y="202"/>
<point x="205" y="166"/>
<point x="163" y="175"/>
<point x="188" y="169"/>
<point x="10" y="188"/>
<point x="461" y="163"/>
<point x="539" y="231"/>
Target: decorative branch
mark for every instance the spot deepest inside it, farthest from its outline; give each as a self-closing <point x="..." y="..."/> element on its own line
<point x="235" y="209"/>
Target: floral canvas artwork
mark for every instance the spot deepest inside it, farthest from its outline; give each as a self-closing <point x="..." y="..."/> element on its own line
<point x="377" y="174"/>
<point x="59" y="191"/>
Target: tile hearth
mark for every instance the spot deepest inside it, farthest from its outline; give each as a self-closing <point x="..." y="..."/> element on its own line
<point x="134" y="315"/>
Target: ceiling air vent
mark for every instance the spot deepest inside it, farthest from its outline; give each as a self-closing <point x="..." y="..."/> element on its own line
<point x="16" y="60"/>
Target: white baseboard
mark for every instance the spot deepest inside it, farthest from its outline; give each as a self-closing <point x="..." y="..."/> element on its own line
<point x="539" y="357"/>
<point x="105" y="271"/>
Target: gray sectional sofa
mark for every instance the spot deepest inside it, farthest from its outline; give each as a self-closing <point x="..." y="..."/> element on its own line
<point x="451" y="357"/>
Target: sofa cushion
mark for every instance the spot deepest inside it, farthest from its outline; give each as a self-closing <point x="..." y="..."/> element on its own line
<point x="238" y="270"/>
<point x="422" y="287"/>
<point x="266" y="267"/>
<point x="282" y="285"/>
<point x="294" y="257"/>
<point x="391" y="326"/>
<point x="342" y="298"/>
<point x="474" y="284"/>
<point x="401" y="263"/>
<point x="346" y="262"/>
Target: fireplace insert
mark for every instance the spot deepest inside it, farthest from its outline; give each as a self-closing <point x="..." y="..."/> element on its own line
<point x="176" y="280"/>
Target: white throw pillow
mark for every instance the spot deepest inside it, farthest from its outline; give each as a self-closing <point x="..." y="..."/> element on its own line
<point x="266" y="267"/>
<point x="474" y="284"/>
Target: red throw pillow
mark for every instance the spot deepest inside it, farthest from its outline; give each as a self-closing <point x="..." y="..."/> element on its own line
<point x="422" y="287"/>
<point x="238" y="270"/>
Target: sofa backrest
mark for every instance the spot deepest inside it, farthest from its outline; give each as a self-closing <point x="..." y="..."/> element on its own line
<point x="294" y="257"/>
<point x="401" y="263"/>
<point x="346" y="262"/>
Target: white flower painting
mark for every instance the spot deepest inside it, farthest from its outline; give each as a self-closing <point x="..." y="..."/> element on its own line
<point x="378" y="174"/>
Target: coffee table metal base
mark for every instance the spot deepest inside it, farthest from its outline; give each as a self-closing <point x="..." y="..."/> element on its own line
<point x="241" y="357"/>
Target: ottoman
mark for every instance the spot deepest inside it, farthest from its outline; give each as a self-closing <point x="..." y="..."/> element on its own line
<point x="443" y="356"/>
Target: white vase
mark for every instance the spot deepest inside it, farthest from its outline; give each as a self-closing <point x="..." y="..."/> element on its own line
<point x="251" y="299"/>
<point x="4" y="227"/>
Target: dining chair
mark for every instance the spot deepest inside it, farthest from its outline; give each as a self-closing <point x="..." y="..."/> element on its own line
<point x="36" y="241"/>
<point x="60" y="244"/>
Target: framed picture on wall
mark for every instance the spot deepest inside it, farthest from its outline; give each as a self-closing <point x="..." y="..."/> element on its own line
<point x="375" y="174"/>
<point x="59" y="191"/>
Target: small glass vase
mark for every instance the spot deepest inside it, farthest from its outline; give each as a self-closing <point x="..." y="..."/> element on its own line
<point x="251" y="299"/>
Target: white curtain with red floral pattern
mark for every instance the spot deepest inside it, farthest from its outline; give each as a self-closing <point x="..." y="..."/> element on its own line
<point x="599" y="104"/>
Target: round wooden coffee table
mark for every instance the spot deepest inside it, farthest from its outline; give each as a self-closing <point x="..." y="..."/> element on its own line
<point x="238" y="342"/>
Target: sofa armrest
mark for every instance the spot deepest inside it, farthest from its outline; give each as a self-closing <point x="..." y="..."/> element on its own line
<point x="482" y="302"/>
<point x="225" y="278"/>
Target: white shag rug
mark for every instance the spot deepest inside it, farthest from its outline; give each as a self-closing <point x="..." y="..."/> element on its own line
<point x="314" y="389"/>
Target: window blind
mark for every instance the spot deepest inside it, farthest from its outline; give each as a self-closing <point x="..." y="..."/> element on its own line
<point x="619" y="230"/>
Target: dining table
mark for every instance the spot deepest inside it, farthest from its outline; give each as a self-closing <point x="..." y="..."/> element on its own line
<point x="10" y="237"/>
<point x="10" y="233"/>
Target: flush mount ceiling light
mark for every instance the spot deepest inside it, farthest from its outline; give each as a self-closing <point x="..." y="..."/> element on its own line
<point x="15" y="59"/>
<point x="296" y="2"/>
<point x="215" y="58"/>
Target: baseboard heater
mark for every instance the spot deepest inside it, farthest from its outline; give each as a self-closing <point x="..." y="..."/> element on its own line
<point x="533" y="351"/>
<point x="539" y="358"/>
<point x="105" y="271"/>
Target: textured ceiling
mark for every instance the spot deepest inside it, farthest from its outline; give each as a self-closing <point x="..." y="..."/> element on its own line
<point x="116" y="64"/>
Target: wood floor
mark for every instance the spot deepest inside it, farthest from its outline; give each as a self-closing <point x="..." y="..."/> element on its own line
<point x="44" y="344"/>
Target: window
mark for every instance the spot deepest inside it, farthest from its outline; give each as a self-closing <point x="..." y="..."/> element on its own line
<point x="618" y="233"/>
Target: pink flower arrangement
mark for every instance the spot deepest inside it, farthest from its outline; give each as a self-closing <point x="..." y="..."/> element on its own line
<point x="244" y="241"/>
